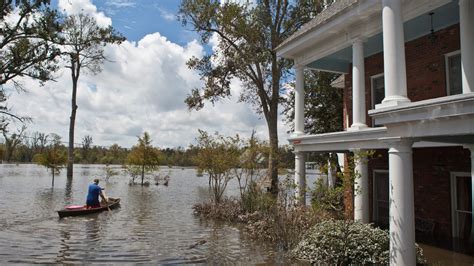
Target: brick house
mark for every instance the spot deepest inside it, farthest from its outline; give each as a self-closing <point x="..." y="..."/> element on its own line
<point x="408" y="95"/>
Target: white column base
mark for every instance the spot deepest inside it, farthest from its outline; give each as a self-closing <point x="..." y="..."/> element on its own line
<point x="357" y="126"/>
<point x="392" y="101"/>
<point x="402" y="210"/>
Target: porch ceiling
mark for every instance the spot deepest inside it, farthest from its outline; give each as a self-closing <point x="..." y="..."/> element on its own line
<point x="443" y="17"/>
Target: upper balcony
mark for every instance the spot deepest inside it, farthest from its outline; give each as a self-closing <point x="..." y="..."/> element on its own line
<point x="407" y="60"/>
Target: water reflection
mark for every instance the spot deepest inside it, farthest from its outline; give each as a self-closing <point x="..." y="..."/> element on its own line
<point x="68" y="191"/>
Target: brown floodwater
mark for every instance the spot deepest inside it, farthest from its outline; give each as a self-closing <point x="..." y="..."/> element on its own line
<point x="154" y="224"/>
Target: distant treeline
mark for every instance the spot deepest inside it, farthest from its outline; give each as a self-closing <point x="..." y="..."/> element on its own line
<point x="21" y="147"/>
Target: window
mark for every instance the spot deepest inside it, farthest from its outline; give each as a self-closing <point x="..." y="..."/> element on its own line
<point x="378" y="89"/>
<point x="453" y="73"/>
<point x="380" y="200"/>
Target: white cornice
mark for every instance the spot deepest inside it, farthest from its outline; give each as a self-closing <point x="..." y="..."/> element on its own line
<point x="362" y="20"/>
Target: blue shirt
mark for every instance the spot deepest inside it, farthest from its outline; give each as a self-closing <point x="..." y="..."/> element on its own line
<point x="93" y="194"/>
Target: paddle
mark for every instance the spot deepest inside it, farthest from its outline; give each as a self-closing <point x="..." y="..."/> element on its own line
<point x="106" y="200"/>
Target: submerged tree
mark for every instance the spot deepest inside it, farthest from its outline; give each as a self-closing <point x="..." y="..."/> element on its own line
<point x="247" y="35"/>
<point x="143" y="158"/>
<point x="53" y="157"/>
<point x="217" y="156"/>
<point x="83" y="47"/>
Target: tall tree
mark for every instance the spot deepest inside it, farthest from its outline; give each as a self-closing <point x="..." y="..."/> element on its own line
<point x="247" y="34"/>
<point x="143" y="158"/>
<point x="28" y="31"/>
<point x="83" y="47"/>
<point x="86" y="147"/>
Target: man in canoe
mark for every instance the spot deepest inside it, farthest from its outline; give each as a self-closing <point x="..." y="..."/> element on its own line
<point x="93" y="195"/>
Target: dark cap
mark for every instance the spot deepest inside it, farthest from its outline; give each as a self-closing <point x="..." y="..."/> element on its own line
<point x="96" y="181"/>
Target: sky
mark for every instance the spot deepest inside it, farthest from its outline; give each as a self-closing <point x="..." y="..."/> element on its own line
<point x="141" y="88"/>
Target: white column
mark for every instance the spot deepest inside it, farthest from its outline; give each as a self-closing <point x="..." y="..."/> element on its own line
<point x="401" y="198"/>
<point x="300" y="178"/>
<point x="361" y="188"/>
<point x="466" y="24"/>
<point x="331" y="172"/>
<point x="358" y="86"/>
<point x="299" y="101"/>
<point x="393" y="55"/>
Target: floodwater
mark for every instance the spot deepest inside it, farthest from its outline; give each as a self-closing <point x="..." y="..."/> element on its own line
<point x="154" y="224"/>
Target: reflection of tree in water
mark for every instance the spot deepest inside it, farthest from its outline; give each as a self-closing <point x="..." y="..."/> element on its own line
<point x="142" y="201"/>
<point x="95" y="230"/>
<point x="68" y="191"/>
<point x="64" y="249"/>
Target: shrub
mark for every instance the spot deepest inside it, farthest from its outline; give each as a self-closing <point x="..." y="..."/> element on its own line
<point x="226" y="210"/>
<point x="328" y="199"/>
<point x="346" y="242"/>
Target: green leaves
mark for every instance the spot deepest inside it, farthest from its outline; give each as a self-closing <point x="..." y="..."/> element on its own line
<point x="143" y="158"/>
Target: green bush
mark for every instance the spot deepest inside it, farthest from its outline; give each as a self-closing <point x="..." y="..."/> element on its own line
<point x="328" y="199"/>
<point x="346" y="242"/>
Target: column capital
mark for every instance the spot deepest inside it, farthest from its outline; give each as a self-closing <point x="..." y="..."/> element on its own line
<point x="298" y="67"/>
<point x="358" y="40"/>
<point x="400" y="145"/>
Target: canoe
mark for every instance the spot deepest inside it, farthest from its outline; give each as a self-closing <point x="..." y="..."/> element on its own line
<point x="76" y="210"/>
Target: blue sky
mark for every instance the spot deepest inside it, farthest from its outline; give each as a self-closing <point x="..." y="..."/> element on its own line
<point x="142" y="87"/>
<point x="137" y="18"/>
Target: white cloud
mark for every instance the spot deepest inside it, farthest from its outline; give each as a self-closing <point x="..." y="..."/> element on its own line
<point x="142" y="88"/>
<point x="121" y="3"/>
<point x="73" y="7"/>
<point x="166" y="14"/>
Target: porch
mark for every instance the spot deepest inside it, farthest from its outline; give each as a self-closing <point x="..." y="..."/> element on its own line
<point x="347" y="36"/>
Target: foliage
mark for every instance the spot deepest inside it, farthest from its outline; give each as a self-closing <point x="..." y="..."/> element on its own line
<point x="217" y="156"/>
<point x="247" y="35"/>
<point x="12" y="141"/>
<point x="28" y="30"/>
<point x="86" y="146"/>
<point x="83" y="48"/>
<point x="143" y="158"/>
<point x="339" y="242"/>
<point x="329" y="199"/>
<point x="53" y="157"/>
<point x="276" y="220"/>
<point x="109" y="172"/>
<point x="249" y="167"/>
<point x="323" y="104"/>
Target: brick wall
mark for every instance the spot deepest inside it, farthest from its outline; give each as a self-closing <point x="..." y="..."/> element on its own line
<point x="425" y="64"/>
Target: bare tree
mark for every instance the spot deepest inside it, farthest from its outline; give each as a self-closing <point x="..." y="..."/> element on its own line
<point x="83" y="48"/>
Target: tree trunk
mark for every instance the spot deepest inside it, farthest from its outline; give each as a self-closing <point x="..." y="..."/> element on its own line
<point x="52" y="183"/>
<point x="273" y="158"/>
<point x="70" y="152"/>
<point x="272" y="122"/>
<point x="143" y="173"/>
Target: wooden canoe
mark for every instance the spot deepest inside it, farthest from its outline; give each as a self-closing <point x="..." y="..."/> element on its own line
<point x="112" y="204"/>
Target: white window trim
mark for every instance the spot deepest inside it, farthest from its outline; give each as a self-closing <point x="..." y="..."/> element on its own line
<point x="446" y="69"/>
<point x="454" y="204"/>
<point x="374" y="192"/>
<point x="372" y="100"/>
